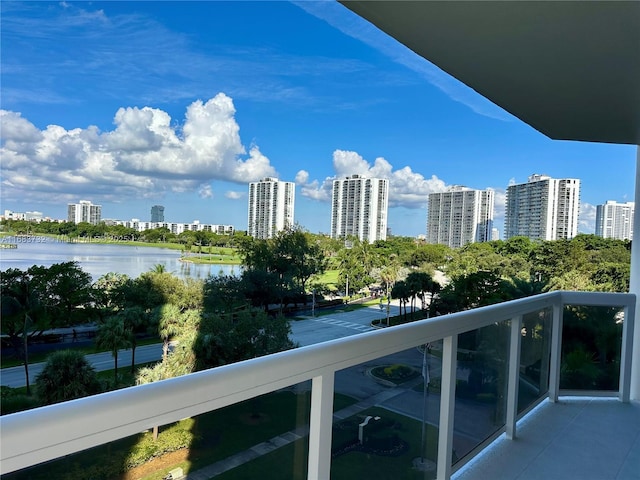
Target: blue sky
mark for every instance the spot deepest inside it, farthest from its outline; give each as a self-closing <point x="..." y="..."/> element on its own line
<point x="131" y="104"/>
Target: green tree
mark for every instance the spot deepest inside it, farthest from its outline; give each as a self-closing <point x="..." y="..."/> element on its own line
<point x="23" y="313"/>
<point x="65" y="376"/>
<point x="169" y="318"/>
<point x="251" y="333"/>
<point x="402" y="292"/>
<point x="112" y="335"/>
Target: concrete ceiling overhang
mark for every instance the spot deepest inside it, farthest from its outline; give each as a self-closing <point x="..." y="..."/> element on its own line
<point x="570" y="69"/>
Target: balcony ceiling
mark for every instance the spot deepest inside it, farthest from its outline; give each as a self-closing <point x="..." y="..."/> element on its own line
<point x="571" y="70"/>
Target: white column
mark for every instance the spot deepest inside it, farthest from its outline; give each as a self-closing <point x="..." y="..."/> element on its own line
<point x="513" y="377"/>
<point x="447" y="406"/>
<point x="320" y="425"/>
<point x="634" y="287"/>
<point x="556" y="348"/>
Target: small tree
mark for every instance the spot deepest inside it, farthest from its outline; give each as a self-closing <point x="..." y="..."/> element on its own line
<point x="113" y="335"/>
<point x="66" y="375"/>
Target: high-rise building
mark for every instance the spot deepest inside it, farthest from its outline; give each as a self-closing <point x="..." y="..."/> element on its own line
<point x="271" y="203"/>
<point x="615" y="220"/>
<point x="359" y="208"/>
<point x="460" y="216"/>
<point x="544" y="208"/>
<point x="85" y="211"/>
<point x="157" y="213"/>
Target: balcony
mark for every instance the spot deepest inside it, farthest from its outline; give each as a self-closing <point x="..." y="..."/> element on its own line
<point x="528" y="428"/>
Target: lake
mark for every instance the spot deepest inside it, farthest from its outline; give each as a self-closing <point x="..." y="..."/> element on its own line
<point x="98" y="259"/>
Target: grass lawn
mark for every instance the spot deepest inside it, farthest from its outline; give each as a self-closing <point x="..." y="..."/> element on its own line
<point x="291" y="461"/>
<point x="213" y="255"/>
<point x="213" y="436"/>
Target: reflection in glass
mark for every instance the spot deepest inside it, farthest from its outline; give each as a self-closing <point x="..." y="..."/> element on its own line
<point x="481" y="386"/>
<point x="591" y="342"/>
<point x="381" y="435"/>
<point x="534" y="357"/>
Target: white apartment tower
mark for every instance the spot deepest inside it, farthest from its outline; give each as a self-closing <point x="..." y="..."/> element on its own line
<point x="359" y="208"/>
<point x="544" y="208"/>
<point x="615" y="220"/>
<point x="85" y="211"/>
<point x="271" y="203"/>
<point x="460" y="216"/>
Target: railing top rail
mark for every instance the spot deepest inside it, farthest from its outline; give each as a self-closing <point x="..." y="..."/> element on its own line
<point x="79" y="424"/>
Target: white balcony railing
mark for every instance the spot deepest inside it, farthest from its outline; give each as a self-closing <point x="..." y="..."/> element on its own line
<point x="42" y="434"/>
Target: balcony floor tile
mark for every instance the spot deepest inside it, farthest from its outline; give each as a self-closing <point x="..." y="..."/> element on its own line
<point x="576" y="438"/>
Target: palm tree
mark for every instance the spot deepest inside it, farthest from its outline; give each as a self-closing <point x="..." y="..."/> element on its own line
<point x="21" y="306"/>
<point x="169" y="322"/>
<point x="133" y="318"/>
<point x="158" y="268"/>
<point x="113" y="335"/>
<point x="66" y="375"/>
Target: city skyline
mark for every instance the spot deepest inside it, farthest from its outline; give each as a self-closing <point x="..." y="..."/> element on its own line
<point x="147" y="103"/>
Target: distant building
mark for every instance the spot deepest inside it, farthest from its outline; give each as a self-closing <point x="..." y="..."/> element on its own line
<point x="175" y="227"/>
<point x="85" y="211"/>
<point x="460" y="216"/>
<point x="495" y="234"/>
<point x="271" y="206"/>
<point x="157" y="213"/>
<point x="28" y="216"/>
<point x="615" y="220"/>
<point x="359" y="207"/>
<point x="544" y="208"/>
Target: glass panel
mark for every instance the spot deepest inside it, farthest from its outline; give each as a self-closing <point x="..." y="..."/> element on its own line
<point x="481" y="386"/>
<point x="381" y="434"/>
<point x="264" y="434"/>
<point x="591" y="341"/>
<point x="535" y="354"/>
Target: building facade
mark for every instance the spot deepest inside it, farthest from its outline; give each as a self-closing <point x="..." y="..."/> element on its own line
<point x="359" y="208"/>
<point x="85" y="211"/>
<point x="460" y="216"/>
<point x="157" y="213"/>
<point x="544" y="208"/>
<point x="174" y="227"/>
<point x="271" y="207"/>
<point x="615" y="220"/>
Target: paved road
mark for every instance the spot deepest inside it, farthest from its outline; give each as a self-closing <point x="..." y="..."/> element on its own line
<point x="304" y="332"/>
<point x="15" y="377"/>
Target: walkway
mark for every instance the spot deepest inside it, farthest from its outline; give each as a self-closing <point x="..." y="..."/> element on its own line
<point x="274" y="443"/>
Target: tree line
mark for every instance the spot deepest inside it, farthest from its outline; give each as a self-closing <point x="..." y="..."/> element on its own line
<point x="205" y="323"/>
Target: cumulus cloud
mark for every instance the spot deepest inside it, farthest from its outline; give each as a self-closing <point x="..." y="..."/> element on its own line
<point x="407" y="188"/>
<point x="144" y="155"/>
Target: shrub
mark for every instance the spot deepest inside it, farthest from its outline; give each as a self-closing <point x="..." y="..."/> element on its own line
<point x="66" y="375"/>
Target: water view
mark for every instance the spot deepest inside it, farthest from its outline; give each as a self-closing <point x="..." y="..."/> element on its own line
<point x="99" y="259"/>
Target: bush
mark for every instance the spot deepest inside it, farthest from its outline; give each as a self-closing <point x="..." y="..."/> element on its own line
<point x="14" y="401"/>
<point x="66" y="375"/>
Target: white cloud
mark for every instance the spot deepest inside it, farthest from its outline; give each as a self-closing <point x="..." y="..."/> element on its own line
<point x="587" y="218"/>
<point x="231" y="195"/>
<point x="145" y="155"/>
<point x="206" y="191"/>
<point x="407" y="188"/>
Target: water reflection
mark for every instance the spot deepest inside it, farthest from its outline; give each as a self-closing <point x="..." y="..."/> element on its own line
<point x="99" y="259"/>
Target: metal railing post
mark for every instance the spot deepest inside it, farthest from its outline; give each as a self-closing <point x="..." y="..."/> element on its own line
<point x="320" y="425"/>
<point x="447" y="406"/>
<point x="626" y="354"/>
<point x="513" y="376"/>
<point x="556" y="351"/>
